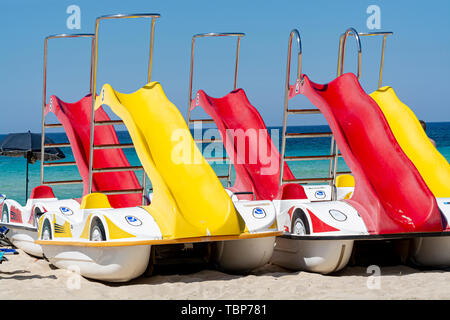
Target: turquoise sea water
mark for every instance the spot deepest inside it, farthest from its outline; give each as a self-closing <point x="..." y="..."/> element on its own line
<point x="12" y="170"/>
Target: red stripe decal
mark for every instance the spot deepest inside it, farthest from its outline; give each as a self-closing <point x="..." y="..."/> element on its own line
<point x="291" y="210"/>
<point x="15" y="214"/>
<point x="318" y="225"/>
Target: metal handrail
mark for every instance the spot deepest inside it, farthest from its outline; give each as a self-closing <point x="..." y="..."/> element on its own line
<point x="153" y="16"/>
<point x="44" y="95"/>
<point x="341" y="56"/>
<point x="239" y="35"/>
<point x="293" y="33"/>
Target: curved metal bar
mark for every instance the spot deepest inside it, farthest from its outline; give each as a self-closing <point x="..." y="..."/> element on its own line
<point x="383" y="49"/>
<point x="153" y="16"/>
<point x="375" y="33"/>
<point x="218" y="34"/>
<point x="129" y="16"/>
<point x="191" y="72"/>
<point x="239" y="35"/>
<point x="342" y="42"/>
<point x="298" y="39"/>
<point x="69" y="35"/>
<point x="340" y="70"/>
<point x="44" y="95"/>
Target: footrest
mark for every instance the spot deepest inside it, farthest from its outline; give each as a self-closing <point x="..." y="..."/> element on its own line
<point x="6" y="251"/>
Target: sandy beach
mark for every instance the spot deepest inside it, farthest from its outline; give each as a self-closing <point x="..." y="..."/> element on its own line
<point x="25" y="277"/>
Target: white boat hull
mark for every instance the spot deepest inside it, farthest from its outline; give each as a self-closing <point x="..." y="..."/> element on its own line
<point x="113" y="264"/>
<point x="24" y="240"/>
<point x="431" y="251"/>
<point x="321" y="256"/>
<point x="243" y="255"/>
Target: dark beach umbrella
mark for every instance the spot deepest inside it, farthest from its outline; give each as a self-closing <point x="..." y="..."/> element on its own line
<point x="28" y="145"/>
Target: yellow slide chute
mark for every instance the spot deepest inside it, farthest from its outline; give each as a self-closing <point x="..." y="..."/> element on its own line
<point x="433" y="167"/>
<point x="188" y="198"/>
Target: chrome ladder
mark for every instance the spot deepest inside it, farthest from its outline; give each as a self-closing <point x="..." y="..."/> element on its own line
<point x="95" y="123"/>
<point x="45" y="125"/>
<point x="193" y="122"/>
<point x="334" y="154"/>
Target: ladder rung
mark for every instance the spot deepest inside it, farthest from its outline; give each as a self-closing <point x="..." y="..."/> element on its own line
<point x="117" y="169"/>
<point x="114" y="146"/>
<point x="217" y="159"/>
<point x="207" y="140"/>
<point x="343" y="172"/>
<point x="60" y="164"/>
<point x="309" y="135"/>
<point x="308" y="180"/>
<point x="108" y="122"/>
<point x="308" y="158"/>
<point x="124" y="191"/>
<point x="223" y="177"/>
<point x="338" y="155"/>
<point x="202" y="120"/>
<point x="53" y="125"/>
<point x="56" y="145"/>
<point x="303" y="111"/>
<point x="62" y="182"/>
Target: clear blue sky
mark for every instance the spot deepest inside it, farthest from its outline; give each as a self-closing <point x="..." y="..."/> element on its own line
<point x="417" y="60"/>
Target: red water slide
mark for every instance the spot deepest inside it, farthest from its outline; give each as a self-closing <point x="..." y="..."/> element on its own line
<point x="249" y="146"/>
<point x="76" y="119"/>
<point x="390" y="194"/>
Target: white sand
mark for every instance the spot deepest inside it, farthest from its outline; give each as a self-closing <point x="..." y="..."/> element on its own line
<point x="25" y="277"/>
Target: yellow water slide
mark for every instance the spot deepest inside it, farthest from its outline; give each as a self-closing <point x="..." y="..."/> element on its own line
<point x="433" y="167"/>
<point x="188" y="198"/>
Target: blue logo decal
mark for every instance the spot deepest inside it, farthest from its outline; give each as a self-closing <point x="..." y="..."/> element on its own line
<point x="447" y="202"/>
<point x="66" y="211"/>
<point x="259" y="213"/>
<point x="133" y="221"/>
<point x="320" y="194"/>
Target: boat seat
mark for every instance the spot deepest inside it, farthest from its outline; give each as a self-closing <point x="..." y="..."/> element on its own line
<point x="42" y="192"/>
<point x="345" y="181"/>
<point x="292" y="191"/>
<point x="95" y="201"/>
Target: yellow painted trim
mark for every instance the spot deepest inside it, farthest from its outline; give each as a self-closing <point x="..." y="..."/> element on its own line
<point x="115" y="232"/>
<point x="40" y="222"/>
<point x="66" y="232"/>
<point x="274" y="225"/>
<point x="348" y="196"/>
<point x="157" y="242"/>
<point x="85" y="233"/>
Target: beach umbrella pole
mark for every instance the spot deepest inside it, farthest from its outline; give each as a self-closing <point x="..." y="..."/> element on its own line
<point x="26" y="181"/>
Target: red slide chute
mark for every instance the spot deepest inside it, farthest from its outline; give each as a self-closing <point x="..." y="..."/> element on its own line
<point x="390" y="194"/>
<point x="249" y="146"/>
<point x="76" y="120"/>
